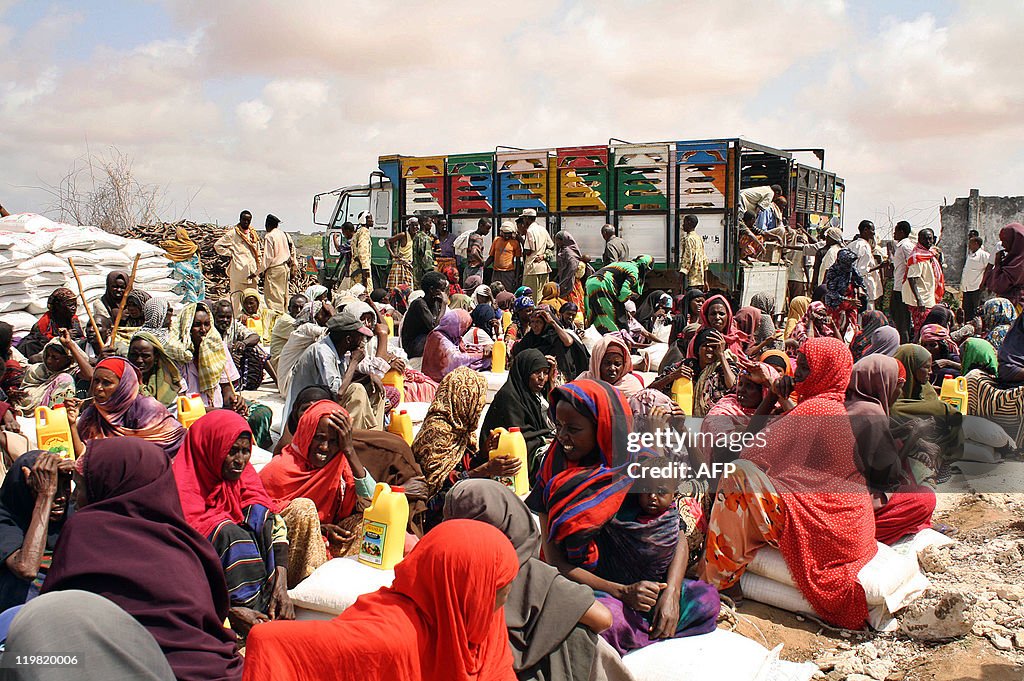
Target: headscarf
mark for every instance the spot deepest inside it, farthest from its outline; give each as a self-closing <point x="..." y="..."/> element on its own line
<point x="127" y="413"/>
<point x="38" y="374"/>
<point x="313" y="292"/>
<point x="797" y="309"/>
<point x="884" y="341"/>
<point x="212" y="356"/>
<point x="727" y="415"/>
<point x="523" y="303"/>
<point x="483" y="315"/>
<point x="473" y="282"/>
<point x="748" y="320"/>
<point x="571" y="360"/>
<point x="165" y="383"/>
<point x="181" y="247"/>
<point x="940" y="314"/>
<point x="543" y="607"/>
<point x="504" y="300"/>
<point x="1008" y="275"/>
<point x="808" y="455"/>
<point x="840" y="277"/>
<point x="108" y="299"/>
<point x="734" y="338"/>
<point x="629" y="383"/>
<point x="913" y="357"/>
<point x="17" y="500"/>
<point x="515" y="405"/>
<point x="938" y="334"/>
<point x="872" y="385"/>
<point x="437" y="621"/>
<point x="781" y="355"/>
<point x="449" y="431"/>
<point x="997" y="315"/>
<point x="206" y="497"/>
<point x="691" y="294"/>
<point x="869" y="321"/>
<point x="977" y="353"/>
<point x="549" y="296"/>
<point x="1011" y="354"/>
<point x="460" y="301"/>
<point x="483" y="290"/>
<point x="444" y="349"/>
<point x="138" y="298"/>
<point x="155" y="314"/>
<point x="764" y="302"/>
<point x="290" y="476"/>
<point x="580" y="497"/>
<point x="132" y="523"/>
<point x="821" y="329"/>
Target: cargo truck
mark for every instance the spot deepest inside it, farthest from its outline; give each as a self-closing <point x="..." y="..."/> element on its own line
<point x="644" y="190"/>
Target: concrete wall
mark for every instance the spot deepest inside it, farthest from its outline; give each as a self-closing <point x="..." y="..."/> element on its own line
<point x="987" y="214"/>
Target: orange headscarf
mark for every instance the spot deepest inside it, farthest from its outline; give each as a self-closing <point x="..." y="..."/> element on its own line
<point x="437" y="622"/>
<point x="289" y="476"/>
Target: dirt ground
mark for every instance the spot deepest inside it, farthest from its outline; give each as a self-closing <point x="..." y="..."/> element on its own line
<point x="984" y="567"/>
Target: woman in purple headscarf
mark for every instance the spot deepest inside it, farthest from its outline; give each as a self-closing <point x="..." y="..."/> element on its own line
<point x="444" y="350"/>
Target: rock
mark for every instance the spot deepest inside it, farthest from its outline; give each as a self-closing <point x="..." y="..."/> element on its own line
<point x="1008" y="556"/>
<point x="835" y="676"/>
<point x="934" y="560"/>
<point x="878" y="669"/>
<point x="850" y="665"/>
<point x="1010" y="592"/>
<point x="1000" y="642"/>
<point x="858" y="677"/>
<point x="868" y="651"/>
<point x="1018" y="639"/>
<point x="826" y="662"/>
<point x="936" y="620"/>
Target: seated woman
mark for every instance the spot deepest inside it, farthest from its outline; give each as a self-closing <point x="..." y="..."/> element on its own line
<point x="244" y="345"/>
<point x="758" y="327"/>
<point x="549" y="296"/>
<point x="129" y="519"/>
<point x="716" y="314"/>
<point x="690" y="305"/>
<point x="522" y="403"/>
<point x="210" y="372"/>
<point x="223" y="499"/>
<point x="522" y="309"/>
<point x="870" y="321"/>
<point x="715" y="368"/>
<point x="901" y="505"/>
<point x="549" y="338"/>
<point x="110" y="301"/>
<point x="552" y="622"/>
<point x="778" y="360"/>
<point x="34" y="505"/>
<point x="884" y="341"/>
<point x="597" y="533"/>
<point x="60" y="314"/>
<point x="440" y="620"/>
<point x="569" y="318"/>
<point x="256" y="316"/>
<point x="610" y="362"/>
<point x="734" y="412"/>
<point x="813" y="504"/>
<point x="161" y="379"/>
<point x="816" y="323"/>
<point x="1011" y="355"/>
<point x="134" y="315"/>
<point x="945" y="356"/>
<point x="997" y="315"/>
<point x="444" y="351"/>
<point x="446" y="446"/>
<point x="633" y="331"/>
<point x="797" y="309"/>
<point x="118" y="409"/>
<point x="423" y="314"/>
<point x="988" y="397"/>
<point x="316" y="481"/>
<point x="54" y="379"/>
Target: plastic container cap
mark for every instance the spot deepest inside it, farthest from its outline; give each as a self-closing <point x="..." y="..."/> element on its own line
<point x="400" y="490"/>
<point x="516" y="429"/>
<point x="403" y="412"/>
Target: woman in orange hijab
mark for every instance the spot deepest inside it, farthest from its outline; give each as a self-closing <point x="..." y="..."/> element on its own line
<point x="442" y="619"/>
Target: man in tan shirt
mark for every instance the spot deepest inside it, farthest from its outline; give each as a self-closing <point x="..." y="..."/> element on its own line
<point x="277" y="259"/>
<point x="360" y="269"/>
<point x="242" y="245"/>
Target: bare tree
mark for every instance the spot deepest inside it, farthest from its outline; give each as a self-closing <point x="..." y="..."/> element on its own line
<point x="103" y="191"/>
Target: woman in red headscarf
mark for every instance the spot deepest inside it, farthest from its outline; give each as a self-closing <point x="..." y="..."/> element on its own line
<point x="224" y="500"/>
<point x="118" y="409"/>
<point x="316" y="480"/>
<point x="798" y="488"/>
<point x="716" y="313"/>
<point x="441" y="620"/>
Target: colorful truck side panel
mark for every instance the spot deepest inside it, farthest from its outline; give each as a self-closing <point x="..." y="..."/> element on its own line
<point x="524" y="179"/>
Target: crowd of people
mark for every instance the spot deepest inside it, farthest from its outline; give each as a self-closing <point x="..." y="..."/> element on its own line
<point x="840" y="383"/>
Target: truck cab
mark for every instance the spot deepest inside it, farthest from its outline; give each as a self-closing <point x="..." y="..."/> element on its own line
<point x="333" y="209"/>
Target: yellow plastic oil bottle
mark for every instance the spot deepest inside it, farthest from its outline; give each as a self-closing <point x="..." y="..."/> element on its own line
<point x="384" y="524"/>
<point x="682" y="394"/>
<point x="499" y="356"/>
<point x="395" y="379"/>
<point x="401" y="425"/>
<point x="954" y="392"/>
<point x="390" y="324"/>
<point x="190" y="409"/>
<point x="511" y="443"/>
<point x="53" y="431"/>
<point x="255" y="324"/>
<point x="506" y="320"/>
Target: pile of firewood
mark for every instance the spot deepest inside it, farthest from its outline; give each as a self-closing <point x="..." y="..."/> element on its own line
<point x="215" y="267"/>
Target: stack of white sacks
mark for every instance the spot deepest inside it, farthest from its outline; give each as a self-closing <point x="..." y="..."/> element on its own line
<point x="34" y="253"/>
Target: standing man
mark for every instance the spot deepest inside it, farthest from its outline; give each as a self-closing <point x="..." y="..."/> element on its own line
<point x="827" y="255"/>
<point x="692" y="259"/>
<point x="505" y="252"/>
<point x="615" y="247"/>
<point x="360" y="270"/>
<point x="899" y="315"/>
<point x="536" y="242"/>
<point x="974" y="269"/>
<point x="864" y="248"/>
<point x="400" y="249"/>
<point x="242" y="245"/>
<point x="475" y="250"/>
<point x="278" y="264"/>
<point x="422" y="251"/>
<point x="924" y="283"/>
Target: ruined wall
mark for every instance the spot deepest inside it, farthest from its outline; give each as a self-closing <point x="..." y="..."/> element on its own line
<point x="987" y="214"/>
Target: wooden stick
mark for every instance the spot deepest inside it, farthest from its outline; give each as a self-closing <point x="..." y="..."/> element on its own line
<point x="88" y="310"/>
<point x="124" y="299"/>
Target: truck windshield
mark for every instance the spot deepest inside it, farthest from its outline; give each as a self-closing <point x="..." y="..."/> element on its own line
<point x="351" y="206"/>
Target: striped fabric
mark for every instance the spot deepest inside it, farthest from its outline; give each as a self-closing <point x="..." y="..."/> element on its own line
<point x="1002" y="406"/>
<point x="246" y="552"/>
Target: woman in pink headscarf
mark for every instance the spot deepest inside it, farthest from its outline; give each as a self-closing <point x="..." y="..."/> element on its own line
<point x="444" y="350"/>
<point x="716" y="313"/>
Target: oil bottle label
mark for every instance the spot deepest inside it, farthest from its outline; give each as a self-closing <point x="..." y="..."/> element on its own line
<point x="56" y="444"/>
<point x="507" y="480"/>
<point x="371" y="550"/>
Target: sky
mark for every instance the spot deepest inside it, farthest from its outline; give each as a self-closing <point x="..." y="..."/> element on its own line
<point x="259" y="105"/>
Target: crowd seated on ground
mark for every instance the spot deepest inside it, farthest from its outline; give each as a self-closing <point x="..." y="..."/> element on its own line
<point x="848" y="408"/>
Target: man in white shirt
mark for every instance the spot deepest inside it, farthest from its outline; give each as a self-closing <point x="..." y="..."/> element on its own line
<point x="827" y="255"/>
<point x="974" y="268"/>
<point x="277" y="259"/>
<point x="864" y="248"/>
<point x="536" y="242"/>
<point x="923" y="286"/>
<point x="899" y="316"/>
